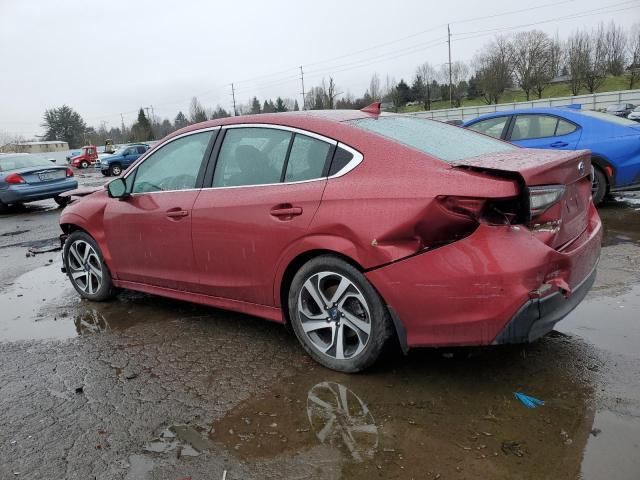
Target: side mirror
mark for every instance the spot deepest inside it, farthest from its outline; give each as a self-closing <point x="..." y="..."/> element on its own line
<point x="117" y="188"/>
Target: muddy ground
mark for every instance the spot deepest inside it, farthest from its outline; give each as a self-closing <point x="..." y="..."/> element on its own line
<point x="149" y="388"/>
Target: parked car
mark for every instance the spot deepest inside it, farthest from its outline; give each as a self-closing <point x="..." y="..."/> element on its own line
<point x="614" y="142"/>
<point x="621" y="109"/>
<point x="353" y="226"/>
<point x="634" y="115"/>
<point x="26" y="178"/>
<point x="113" y="165"/>
<point x="87" y="156"/>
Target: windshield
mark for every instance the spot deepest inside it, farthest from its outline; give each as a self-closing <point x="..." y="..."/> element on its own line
<point x="443" y="141"/>
<point x="14" y="162"/>
<point x="608" y="118"/>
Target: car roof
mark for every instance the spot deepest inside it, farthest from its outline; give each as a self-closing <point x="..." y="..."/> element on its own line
<point x="319" y="121"/>
<point x="564" y="111"/>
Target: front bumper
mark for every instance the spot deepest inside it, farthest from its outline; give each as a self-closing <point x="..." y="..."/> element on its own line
<point x="25" y="192"/>
<point x="470" y="291"/>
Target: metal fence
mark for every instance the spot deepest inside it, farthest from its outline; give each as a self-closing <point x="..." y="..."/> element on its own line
<point x="596" y="101"/>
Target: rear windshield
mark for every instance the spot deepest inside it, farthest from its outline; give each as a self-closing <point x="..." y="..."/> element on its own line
<point x="14" y="162"/>
<point x="608" y="118"/>
<point x="438" y="139"/>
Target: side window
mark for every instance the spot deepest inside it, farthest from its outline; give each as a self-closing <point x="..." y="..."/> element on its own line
<point x="565" y="128"/>
<point x="533" y="126"/>
<point x="307" y="159"/>
<point x="492" y="126"/>
<point x="251" y="156"/>
<point x="340" y="160"/>
<point x="141" y="150"/>
<point x="174" y="167"/>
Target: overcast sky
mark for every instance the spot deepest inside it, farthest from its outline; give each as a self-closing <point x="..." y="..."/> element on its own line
<point x="111" y="57"/>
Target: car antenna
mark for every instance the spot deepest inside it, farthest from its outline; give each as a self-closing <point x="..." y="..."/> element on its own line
<point x="373" y="108"/>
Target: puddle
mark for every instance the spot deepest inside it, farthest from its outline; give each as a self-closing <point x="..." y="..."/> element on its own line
<point x="184" y="440"/>
<point x="608" y="450"/>
<point x="423" y="416"/>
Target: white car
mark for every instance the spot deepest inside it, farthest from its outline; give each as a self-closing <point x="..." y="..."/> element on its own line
<point x="635" y="114"/>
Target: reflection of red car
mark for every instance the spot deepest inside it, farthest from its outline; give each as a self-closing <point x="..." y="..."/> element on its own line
<point x="88" y="157"/>
<point x="353" y="226"/>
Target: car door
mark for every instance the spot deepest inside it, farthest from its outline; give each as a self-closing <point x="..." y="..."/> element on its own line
<point x="266" y="188"/>
<point x="149" y="232"/>
<point x="494" y="127"/>
<point x="130" y="155"/>
<point x="543" y="131"/>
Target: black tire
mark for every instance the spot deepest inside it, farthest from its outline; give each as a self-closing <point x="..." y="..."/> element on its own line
<point x="3" y="207"/>
<point x="84" y="164"/>
<point x="599" y="189"/>
<point x="106" y="289"/>
<point x="105" y="173"/>
<point x="62" y="201"/>
<point x="374" y="315"/>
<point x="115" y="170"/>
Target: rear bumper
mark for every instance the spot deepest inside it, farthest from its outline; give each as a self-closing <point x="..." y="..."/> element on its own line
<point x="469" y="292"/>
<point x="28" y="193"/>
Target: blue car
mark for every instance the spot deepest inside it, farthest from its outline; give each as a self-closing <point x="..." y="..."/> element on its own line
<point x="26" y="178"/>
<point x="113" y="165"/>
<point x="614" y="142"/>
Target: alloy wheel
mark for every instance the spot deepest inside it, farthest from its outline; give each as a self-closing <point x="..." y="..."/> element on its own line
<point x="334" y="315"/>
<point x="116" y="171"/>
<point x="85" y="267"/>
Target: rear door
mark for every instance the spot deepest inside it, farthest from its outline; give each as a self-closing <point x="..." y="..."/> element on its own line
<point x="543" y="131"/>
<point x="149" y="232"/>
<point x="266" y="188"/>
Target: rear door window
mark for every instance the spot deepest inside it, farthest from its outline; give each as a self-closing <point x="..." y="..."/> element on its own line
<point x="533" y="126"/>
<point x="307" y="159"/>
<point x="494" y="127"/>
<point x="251" y="156"/>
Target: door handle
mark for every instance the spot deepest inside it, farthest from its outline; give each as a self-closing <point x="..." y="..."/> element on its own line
<point x="559" y="144"/>
<point x="285" y="212"/>
<point x="177" y="213"/>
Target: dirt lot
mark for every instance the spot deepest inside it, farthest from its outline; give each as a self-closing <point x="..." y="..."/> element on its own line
<point x="143" y="387"/>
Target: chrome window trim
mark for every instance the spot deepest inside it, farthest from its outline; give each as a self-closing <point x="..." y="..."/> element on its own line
<point x="353" y="163"/>
<point x="143" y="158"/>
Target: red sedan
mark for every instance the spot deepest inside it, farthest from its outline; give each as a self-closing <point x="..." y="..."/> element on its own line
<point x="353" y="226"/>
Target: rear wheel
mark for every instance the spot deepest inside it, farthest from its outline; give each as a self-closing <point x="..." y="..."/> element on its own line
<point x="599" y="186"/>
<point x="337" y="315"/>
<point x="61" y="201"/>
<point x="115" y="170"/>
<point x="86" y="269"/>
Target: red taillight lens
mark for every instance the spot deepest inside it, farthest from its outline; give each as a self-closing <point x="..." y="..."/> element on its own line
<point x="14" y="179"/>
<point x="467" y="206"/>
<point x="69" y="172"/>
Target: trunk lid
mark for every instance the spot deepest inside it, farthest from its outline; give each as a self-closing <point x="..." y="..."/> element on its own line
<point x="565" y="219"/>
<point x="38" y="175"/>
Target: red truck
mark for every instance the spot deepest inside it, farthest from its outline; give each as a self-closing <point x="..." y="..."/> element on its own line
<point x="88" y="156"/>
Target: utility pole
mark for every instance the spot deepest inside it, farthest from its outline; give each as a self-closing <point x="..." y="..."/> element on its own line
<point x="153" y="114"/>
<point x="303" y="96"/>
<point x="147" y="110"/>
<point x="450" y="83"/>
<point x="233" y="94"/>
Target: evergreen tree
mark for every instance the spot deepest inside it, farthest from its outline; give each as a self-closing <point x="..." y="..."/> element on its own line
<point x="64" y="123"/>
<point x="180" y="121"/>
<point x="280" y="106"/>
<point x="219" y="112"/>
<point x="255" y="106"/>
<point x="141" y="130"/>
<point x="296" y="108"/>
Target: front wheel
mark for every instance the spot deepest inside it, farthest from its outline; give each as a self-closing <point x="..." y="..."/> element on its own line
<point x="337" y="315"/>
<point x="84" y="164"/>
<point x="115" y="170"/>
<point x="86" y="269"/>
<point x="599" y="186"/>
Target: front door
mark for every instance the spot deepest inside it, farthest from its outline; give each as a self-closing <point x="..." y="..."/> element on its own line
<point x="266" y="188"/>
<point x="149" y="232"/>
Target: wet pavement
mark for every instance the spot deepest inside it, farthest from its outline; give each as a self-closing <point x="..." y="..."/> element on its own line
<point x="150" y="388"/>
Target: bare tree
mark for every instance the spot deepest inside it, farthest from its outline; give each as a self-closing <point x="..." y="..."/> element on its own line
<point x="494" y="69"/>
<point x="577" y="59"/>
<point x="531" y="60"/>
<point x="197" y="113"/>
<point x="374" y="88"/>
<point x="596" y="70"/>
<point x="615" y="45"/>
<point x="634" y="55"/>
<point x="427" y="74"/>
<point x="331" y="93"/>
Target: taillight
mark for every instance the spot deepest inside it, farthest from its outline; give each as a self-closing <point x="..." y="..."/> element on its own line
<point x="541" y="198"/>
<point x="467" y="206"/>
<point x="14" y="179"/>
<point x="69" y="172"/>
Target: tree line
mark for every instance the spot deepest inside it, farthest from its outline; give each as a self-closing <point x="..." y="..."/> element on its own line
<point x="528" y="60"/>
